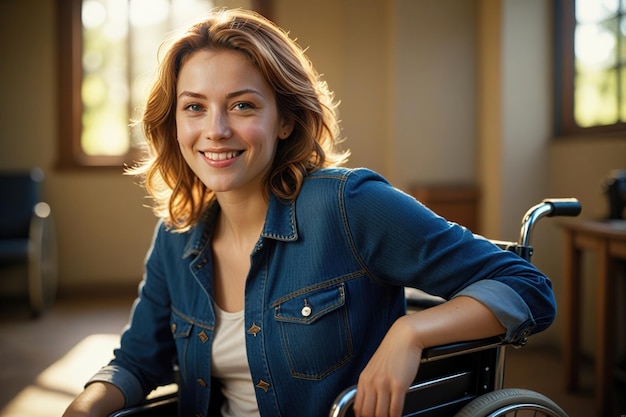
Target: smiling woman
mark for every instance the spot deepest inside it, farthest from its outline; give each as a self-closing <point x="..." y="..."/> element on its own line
<point x="276" y="277"/>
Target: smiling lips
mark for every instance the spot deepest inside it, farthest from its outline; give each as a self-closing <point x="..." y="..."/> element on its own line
<point x="222" y="156"/>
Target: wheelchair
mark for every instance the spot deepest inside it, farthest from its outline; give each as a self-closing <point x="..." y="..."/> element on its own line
<point x="463" y="379"/>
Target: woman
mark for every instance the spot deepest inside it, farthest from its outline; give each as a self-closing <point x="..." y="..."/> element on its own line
<point x="276" y="279"/>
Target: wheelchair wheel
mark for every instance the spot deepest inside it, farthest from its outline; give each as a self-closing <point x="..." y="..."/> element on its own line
<point x="511" y="402"/>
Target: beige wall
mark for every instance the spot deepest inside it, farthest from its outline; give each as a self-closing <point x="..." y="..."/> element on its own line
<point x="405" y="74"/>
<point x="514" y="108"/>
<point x="432" y="91"/>
<point x="349" y="43"/>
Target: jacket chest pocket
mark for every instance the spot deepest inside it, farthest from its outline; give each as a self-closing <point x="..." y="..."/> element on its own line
<point x="315" y="332"/>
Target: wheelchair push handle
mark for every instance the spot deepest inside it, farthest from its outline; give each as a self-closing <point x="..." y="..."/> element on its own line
<point x="563" y="207"/>
<point x="550" y="207"/>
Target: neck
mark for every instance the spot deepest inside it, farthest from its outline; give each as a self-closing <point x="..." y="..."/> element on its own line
<point x="241" y="218"/>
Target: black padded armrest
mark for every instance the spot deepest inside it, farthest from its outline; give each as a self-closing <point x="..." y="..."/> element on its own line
<point x="163" y="406"/>
<point x="440" y="352"/>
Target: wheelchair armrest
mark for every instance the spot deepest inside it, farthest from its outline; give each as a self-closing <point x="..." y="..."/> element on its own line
<point x="162" y="406"/>
<point x="451" y="349"/>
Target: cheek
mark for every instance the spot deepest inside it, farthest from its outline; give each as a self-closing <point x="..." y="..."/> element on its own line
<point x="263" y="136"/>
<point x="184" y="133"/>
<point x="185" y="144"/>
<point x="266" y="145"/>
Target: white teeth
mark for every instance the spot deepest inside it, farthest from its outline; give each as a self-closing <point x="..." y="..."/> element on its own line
<point x="221" y="156"/>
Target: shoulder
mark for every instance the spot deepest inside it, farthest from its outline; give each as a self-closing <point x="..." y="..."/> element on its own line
<point x="342" y="173"/>
<point x="343" y="177"/>
<point x="356" y="188"/>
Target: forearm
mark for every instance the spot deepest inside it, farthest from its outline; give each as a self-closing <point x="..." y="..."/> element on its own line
<point x="460" y="319"/>
<point x="99" y="399"/>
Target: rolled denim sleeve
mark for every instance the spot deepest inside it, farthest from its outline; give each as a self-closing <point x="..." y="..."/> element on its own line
<point x="514" y="315"/>
<point x="122" y="379"/>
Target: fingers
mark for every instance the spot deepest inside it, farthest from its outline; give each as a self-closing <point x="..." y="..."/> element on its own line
<point x="379" y="398"/>
<point x="385" y="379"/>
<point x="397" y="403"/>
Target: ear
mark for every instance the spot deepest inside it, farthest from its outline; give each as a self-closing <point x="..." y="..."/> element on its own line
<point x="285" y="128"/>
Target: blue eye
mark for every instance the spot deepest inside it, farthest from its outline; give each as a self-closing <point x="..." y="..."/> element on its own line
<point x="194" y="107"/>
<point x="243" y="106"/>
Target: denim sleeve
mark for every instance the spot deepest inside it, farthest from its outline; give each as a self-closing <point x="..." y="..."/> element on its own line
<point x="122" y="379"/>
<point x="146" y="353"/>
<point x="402" y="242"/>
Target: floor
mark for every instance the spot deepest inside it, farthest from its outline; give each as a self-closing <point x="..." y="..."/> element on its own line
<point x="45" y="361"/>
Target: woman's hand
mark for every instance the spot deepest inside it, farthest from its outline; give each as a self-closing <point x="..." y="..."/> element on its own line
<point x="384" y="382"/>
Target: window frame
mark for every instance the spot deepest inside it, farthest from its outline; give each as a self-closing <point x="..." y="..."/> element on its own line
<point x="564" y="77"/>
<point x="70" y="109"/>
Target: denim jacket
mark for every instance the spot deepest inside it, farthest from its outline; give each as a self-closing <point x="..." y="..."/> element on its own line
<point x="326" y="281"/>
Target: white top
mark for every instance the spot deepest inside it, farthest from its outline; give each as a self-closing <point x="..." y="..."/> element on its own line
<point x="229" y="363"/>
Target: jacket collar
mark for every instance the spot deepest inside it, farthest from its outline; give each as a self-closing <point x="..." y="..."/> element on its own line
<point x="280" y="224"/>
<point x="280" y="220"/>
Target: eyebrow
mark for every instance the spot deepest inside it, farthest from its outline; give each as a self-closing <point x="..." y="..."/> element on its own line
<point x="190" y="94"/>
<point x="228" y="96"/>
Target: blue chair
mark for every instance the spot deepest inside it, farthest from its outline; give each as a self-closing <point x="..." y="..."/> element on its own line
<point x="27" y="235"/>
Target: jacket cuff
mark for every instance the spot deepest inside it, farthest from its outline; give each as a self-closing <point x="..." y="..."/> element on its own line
<point x="514" y="315"/>
<point x="124" y="380"/>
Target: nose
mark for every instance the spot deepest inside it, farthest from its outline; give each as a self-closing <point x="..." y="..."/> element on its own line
<point x="216" y="126"/>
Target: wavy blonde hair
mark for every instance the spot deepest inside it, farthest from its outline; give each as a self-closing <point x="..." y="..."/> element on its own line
<point x="301" y="96"/>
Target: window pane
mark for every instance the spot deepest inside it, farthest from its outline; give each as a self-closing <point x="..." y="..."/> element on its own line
<point x="622" y="36"/>
<point x="595" y="98"/>
<point x="593" y="11"/>
<point x="595" y="45"/>
<point x="149" y="22"/>
<point x="104" y="88"/>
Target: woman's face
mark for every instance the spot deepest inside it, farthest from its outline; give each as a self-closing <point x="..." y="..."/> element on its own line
<point x="227" y="121"/>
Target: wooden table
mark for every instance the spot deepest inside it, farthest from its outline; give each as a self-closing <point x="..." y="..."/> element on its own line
<point x="607" y="241"/>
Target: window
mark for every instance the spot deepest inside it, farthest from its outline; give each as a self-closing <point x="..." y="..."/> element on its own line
<point x="590" y="66"/>
<point x="107" y="55"/>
